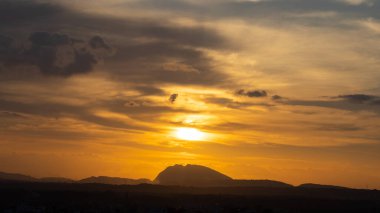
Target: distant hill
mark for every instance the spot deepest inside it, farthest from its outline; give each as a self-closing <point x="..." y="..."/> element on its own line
<point x="177" y="175"/>
<point x="16" y="177"/>
<point x="56" y="180"/>
<point x="101" y="179"/>
<point x="258" y="183"/>
<point x="190" y="175"/>
<point x="319" y="186"/>
<point x="201" y="176"/>
<point x="114" y="180"/>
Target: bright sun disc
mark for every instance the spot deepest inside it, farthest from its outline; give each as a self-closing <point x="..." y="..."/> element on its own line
<point x="189" y="134"/>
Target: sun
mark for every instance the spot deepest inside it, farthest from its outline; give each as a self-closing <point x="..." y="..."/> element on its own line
<point x="189" y="134"/>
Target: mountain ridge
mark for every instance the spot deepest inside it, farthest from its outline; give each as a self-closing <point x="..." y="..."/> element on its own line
<point x="176" y="175"/>
<point x="114" y="180"/>
<point x="191" y="175"/>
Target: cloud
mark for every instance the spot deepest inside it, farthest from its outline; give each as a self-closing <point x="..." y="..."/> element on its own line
<point x="359" y="98"/>
<point x="277" y="97"/>
<point x="11" y="114"/>
<point x="173" y="98"/>
<point x="352" y="102"/>
<point x="252" y="93"/>
<point x="149" y="90"/>
<point x="5" y="42"/>
<point x="358" y="2"/>
<point x="230" y="103"/>
<point x="149" y="51"/>
<point x="6" y="50"/>
<point x="280" y="10"/>
<point x="54" y="54"/>
<point x="97" y="42"/>
<point x="85" y="113"/>
<point x="345" y="127"/>
<point x="227" y="102"/>
<point x="14" y="12"/>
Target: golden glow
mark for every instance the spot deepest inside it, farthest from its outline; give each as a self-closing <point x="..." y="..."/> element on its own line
<point x="189" y="134"/>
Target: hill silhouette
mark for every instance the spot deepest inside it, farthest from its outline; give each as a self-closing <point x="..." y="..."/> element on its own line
<point x="101" y="179"/>
<point x="256" y="183"/>
<point x="56" y="180"/>
<point x="16" y="177"/>
<point x="190" y="175"/>
<point x="176" y="175"/>
<point x="320" y="186"/>
<point x="114" y="180"/>
<point x="201" y="176"/>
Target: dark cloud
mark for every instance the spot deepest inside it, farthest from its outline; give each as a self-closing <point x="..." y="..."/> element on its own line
<point x="173" y="98"/>
<point x="353" y="102"/>
<point x="226" y="102"/>
<point x="11" y="114"/>
<point x="163" y="62"/>
<point x="20" y="11"/>
<point x="5" y="42"/>
<point x="149" y="90"/>
<point x="148" y="50"/>
<point x="60" y="41"/>
<point x="97" y="42"/>
<point x="280" y="10"/>
<point x="140" y="109"/>
<point x="277" y="97"/>
<point x="230" y="103"/>
<point x="359" y="98"/>
<point x="46" y="53"/>
<point x="375" y="102"/>
<point x="53" y="53"/>
<point x="45" y="39"/>
<point x="27" y="14"/>
<point x="252" y="93"/>
<point x="84" y="112"/>
<point x="6" y="50"/>
<point x="135" y="108"/>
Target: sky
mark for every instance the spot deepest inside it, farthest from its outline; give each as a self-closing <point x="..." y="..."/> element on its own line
<point x="286" y="90"/>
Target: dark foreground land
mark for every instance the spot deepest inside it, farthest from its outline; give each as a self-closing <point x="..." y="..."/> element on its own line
<point x="74" y="197"/>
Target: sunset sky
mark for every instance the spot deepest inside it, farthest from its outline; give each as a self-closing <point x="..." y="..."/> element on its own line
<point x="287" y="90"/>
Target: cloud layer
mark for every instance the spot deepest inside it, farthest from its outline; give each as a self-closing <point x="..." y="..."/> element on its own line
<point x="54" y="54"/>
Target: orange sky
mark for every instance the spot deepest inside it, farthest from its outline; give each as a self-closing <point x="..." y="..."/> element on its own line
<point x="282" y="90"/>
